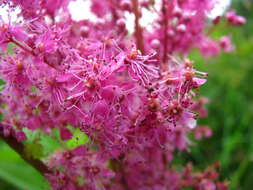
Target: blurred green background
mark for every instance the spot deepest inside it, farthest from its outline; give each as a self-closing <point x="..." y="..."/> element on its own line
<point x="230" y="90"/>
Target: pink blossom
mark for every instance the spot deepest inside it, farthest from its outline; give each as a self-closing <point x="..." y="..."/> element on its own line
<point x="135" y="103"/>
<point x="225" y="44"/>
<point x="235" y="19"/>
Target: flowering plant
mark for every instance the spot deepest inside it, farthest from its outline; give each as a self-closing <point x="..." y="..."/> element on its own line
<point x="127" y="93"/>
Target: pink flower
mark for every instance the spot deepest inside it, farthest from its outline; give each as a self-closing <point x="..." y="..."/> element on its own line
<point x="209" y="47"/>
<point x="225" y="44"/>
<point x="235" y="19"/>
<point x="99" y="8"/>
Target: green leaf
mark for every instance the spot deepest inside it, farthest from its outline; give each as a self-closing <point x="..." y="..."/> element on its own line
<point x="34" y="150"/>
<point x="79" y="138"/>
<point x="22" y="176"/>
<point x="16" y="171"/>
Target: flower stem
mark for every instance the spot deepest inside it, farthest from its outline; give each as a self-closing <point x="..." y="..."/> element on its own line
<point x="165" y="22"/>
<point x="22" y="46"/>
<point x="28" y="49"/>
<point x="138" y="29"/>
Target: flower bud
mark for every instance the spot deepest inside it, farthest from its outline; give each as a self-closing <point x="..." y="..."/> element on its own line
<point x="181" y="28"/>
<point x="145" y="3"/>
<point x="177" y="12"/>
<point x="171" y="33"/>
<point x="125" y="5"/>
<point x="155" y="44"/>
<point x="121" y="23"/>
<point x="216" y="20"/>
<point x="84" y="30"/>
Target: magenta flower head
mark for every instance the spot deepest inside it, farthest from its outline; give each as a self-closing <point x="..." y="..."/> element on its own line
<point x="235" y="19"/>
<point x="129" y="95"/>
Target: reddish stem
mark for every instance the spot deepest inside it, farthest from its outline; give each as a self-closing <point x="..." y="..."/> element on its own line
<point x="165" y="40"/>
<point x="138" y="29"/>
<point x="118" y="166"/>
<point x="28" y="49"/>
<point x="22" y="46"/>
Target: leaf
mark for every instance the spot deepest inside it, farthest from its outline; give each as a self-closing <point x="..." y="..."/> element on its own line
<point x="19" y="173"/>
<point x="79" y="138"/>
<point x="22" y="176"/>
<point x="34" y="150"/>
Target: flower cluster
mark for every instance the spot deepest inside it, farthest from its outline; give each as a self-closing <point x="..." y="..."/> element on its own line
<point x="135" y="101"/>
